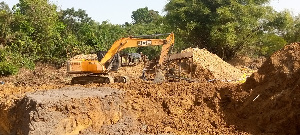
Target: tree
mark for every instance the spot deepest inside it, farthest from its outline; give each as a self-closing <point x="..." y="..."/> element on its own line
<point x="38" y="25"/>
<point x="107" y="34"/>
<point x="222" y="26"/>
<point x="293" y="30"/>
<point x="6" y="18"/>
<point x="270" y="43"/>
<point x="74" y="20"/>
<point x="143" y="15"/>
<point x="146" y="22"/>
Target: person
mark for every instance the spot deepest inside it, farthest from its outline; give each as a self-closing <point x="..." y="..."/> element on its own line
<point x="130" y="58"/>
<point x="142" y="56"/>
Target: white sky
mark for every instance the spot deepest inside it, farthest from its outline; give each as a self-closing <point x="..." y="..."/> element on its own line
<point x="292" y="5"/>
<point x="119" y="11"/>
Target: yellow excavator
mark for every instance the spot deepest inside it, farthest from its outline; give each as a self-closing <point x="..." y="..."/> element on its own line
<point x="96" y="71"/>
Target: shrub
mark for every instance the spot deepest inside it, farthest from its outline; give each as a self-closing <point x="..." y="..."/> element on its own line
<point x="8" y="69"/>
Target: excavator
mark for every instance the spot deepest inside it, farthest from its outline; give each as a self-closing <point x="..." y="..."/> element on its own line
<point x="96" y="71"/>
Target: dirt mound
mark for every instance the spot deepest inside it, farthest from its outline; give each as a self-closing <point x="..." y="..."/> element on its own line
<point x="280" y="69"/>
<point x="85" y="56"/>
<point x="274" y="104"/>
<point x="133" y="72"/>
<point x="42" y="74"/>
<point x="70" y="110"/>
<point x="212" y="67"/>
<point x="176" y="107"/>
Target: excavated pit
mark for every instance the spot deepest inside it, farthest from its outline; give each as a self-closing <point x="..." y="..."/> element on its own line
<point x="70" y="110"/>
<point x="268" y="103"/>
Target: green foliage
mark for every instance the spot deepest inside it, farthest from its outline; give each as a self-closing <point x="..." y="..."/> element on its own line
<point x="6" y="18"/>
<point x="223" y="27"/>
<point x="106" y="34"/>
<point x="280" y="23"/>
<point x="144" y="15"/>
<point x="37" y="29"/>
<point x="293" y="32"/>
<point x="7" y="68"/>
<point x="146" y="22"/>
<point x="270" y="43"/>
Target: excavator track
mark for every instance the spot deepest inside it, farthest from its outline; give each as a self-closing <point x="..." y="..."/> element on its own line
<point x="98" y="79"/>
<point x="92" y="79"/>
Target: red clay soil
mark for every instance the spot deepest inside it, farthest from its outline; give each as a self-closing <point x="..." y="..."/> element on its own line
<point x="268" y="103"/>
<point x="70" y="110"/>
<point x="273" y="106"/>
<point x="177" y="107"/>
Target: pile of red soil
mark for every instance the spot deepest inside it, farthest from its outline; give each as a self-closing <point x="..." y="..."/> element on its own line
<point x="42" y="74"/>
<point x="85" y="57"/>
<point x="176" y="107"/>
<point x="210" y="66"/>
<point x="274" y="102"/>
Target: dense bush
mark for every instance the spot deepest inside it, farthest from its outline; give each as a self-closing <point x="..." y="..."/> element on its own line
<point x="7" y="68"/>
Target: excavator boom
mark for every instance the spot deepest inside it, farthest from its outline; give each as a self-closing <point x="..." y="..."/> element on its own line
<point x="139" y="42"/>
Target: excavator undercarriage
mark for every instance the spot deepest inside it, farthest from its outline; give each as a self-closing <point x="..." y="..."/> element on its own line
<point x="113" y="65"/>
<point x="99" y="78"/>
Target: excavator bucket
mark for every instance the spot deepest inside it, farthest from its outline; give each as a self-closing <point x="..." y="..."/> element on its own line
<point x="164" y="75"/>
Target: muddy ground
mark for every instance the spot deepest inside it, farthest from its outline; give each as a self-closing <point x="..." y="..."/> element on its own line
<point x="267" y="103"/>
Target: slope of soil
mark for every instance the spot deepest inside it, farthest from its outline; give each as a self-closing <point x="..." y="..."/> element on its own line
<point x="70" y="110"/>
<point x="274" y="104"/>
<point x="210" y="66"/>
<point x="180" y="108"/>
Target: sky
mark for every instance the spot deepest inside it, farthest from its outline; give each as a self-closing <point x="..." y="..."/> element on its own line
<point x="119" y="11"/>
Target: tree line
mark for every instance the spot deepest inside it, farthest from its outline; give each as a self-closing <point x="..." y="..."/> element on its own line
<point x="36" y="31"/>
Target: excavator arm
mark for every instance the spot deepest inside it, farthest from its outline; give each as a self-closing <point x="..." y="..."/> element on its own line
<point x="138" y="42"/>
<point x="80" y="66"/>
